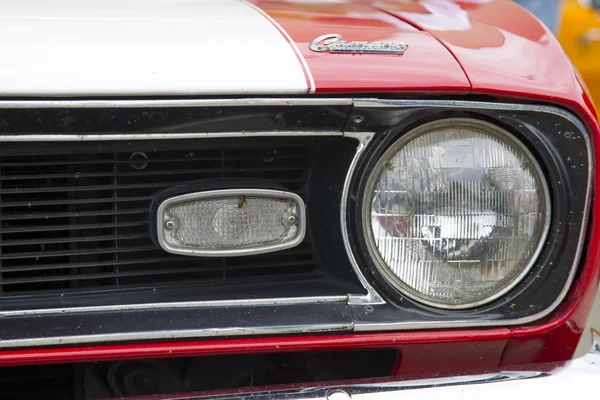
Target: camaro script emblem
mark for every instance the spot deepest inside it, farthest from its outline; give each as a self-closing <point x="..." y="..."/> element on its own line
<point x="334" y="44"/>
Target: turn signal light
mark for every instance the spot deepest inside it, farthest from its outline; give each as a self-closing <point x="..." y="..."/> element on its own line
<point x="231" y="222"/>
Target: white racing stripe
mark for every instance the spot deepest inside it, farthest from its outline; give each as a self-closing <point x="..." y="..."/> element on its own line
<point x="306" y="70"/>
<point x="145" y="47"/>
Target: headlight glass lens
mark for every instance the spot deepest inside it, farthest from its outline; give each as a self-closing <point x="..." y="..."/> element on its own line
<point x="455" y="213"/>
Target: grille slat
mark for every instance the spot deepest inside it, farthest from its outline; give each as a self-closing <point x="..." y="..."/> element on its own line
<point x="36" y="190"/>
<point x="73" y="220"/>
<point x="30" y="204"/>
<point x="82" y="252"/>
<point x="24" y="190"/>
<point x="6" y="243"/>
<point x="70" y="215"/>
<point x="300" y="253"/>
<point x="83" y="176"/>
<point x="48" y="267"/>
<point x="290" y="157"/>
<point x="172" y="271"/>
<point x="95" y="188"/>
<point x="45" y="228"/>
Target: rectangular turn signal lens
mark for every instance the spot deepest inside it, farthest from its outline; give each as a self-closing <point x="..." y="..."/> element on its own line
<point x="231" y="222"/>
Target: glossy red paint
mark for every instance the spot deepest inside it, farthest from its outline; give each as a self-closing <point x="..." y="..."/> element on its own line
<point x="502" y="48"/>
<point x="448" y="351"/>
<point x="503" y="52"/>
<point x="340" y="73"/>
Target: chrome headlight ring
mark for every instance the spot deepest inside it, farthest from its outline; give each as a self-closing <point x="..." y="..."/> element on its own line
<point x="455" y="213"/>
<point x="558" y="145"/>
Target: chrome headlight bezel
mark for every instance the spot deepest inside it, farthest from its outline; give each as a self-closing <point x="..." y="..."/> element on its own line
<point x="561" y="146"/>
<point x="396" y="146"/>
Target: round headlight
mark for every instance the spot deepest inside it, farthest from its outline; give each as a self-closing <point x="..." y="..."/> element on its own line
<point x="455" y="213"/>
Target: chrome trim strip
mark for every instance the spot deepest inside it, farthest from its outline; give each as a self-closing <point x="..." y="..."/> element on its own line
<point x="550" y="381"/>
<point x="158" y="136"/>
<point x="175" y="334"/>
<point x="170" y="103"/>
<point x="373" y="103"/>
<point x="212" y="194"/>
<point x="283" y="301"/>
<point x="372" y="297"/>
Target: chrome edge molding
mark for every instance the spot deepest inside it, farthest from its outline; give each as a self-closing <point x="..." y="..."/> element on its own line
<point x="372" y="297"/>
<point x="170" y="103"/>
<point x="158" y="136"/>
<point x="175" y="334"/>
<point x="372" y="103"/>
<point x="551" y="381"/>
<point x="212" y="194"/>
<point x="282" y="301"/>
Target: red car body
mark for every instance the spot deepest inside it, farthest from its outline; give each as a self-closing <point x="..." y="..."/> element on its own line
<point x="458" y="49"/>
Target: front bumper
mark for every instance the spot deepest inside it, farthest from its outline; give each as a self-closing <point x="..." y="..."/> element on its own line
<point x="548" y="381"/>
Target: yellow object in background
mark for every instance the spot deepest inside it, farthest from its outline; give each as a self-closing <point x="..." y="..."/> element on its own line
<point x="579" y="34"/>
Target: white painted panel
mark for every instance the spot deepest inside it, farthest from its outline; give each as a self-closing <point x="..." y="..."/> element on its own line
<point x="142" y="47"/>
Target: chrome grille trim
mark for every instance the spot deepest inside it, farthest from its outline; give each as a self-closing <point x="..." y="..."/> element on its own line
<point x="282" y="301"/>
<point x="159" y="136"/>
<point x="178" y="334"/>
<point x="156" y="103"/>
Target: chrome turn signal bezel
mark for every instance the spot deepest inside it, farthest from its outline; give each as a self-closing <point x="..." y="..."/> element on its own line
<point x="160" y="218"/>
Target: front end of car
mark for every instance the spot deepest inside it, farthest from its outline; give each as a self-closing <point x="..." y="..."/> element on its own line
<point x="327" y="219"/>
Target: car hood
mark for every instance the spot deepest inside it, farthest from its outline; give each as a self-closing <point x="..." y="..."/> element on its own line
<point x="210" y="47"/>
<point x="83" y="48"/>
<point x="503" y="49"/>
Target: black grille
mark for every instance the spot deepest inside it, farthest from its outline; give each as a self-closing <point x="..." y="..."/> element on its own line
<point x="77" y="217"/>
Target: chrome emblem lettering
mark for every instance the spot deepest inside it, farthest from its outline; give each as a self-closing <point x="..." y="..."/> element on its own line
<point x="334" y="44"/>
